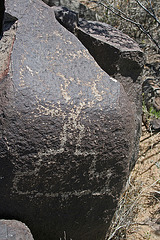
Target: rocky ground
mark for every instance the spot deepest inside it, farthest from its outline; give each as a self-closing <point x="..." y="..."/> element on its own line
<point x="146" y="178"/>
<point x="138" y="214"/>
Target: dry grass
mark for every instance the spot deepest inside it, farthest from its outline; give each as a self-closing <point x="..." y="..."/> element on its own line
<point x="138" y="212"/>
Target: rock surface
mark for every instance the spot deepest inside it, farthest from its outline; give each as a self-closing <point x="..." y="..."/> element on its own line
<point x="67" y="132"/>
<point x="117" y="54"/>
<point x="120" y="57"/>
<point x="14" y="230"/>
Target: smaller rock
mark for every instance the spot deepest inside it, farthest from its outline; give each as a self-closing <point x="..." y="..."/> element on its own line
<point x="151" y="93"/>
<point x="66" y="18"/>
<point x="14" y="230"/>
<point x="155" y="124"/>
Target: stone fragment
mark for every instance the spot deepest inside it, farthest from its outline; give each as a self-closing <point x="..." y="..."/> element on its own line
<point x="14" y="230"/>
<point x="67" y="132"/>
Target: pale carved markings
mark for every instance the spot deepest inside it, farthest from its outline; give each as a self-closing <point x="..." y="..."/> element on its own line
<point x="57" y="34"/>
<point x="96" y="93"/>
<point x="71" y="125"/>
<point x="71" y="122"/>
<point x="21" y="72"/>
<point x="62" y="195"/>
<point x="58" y="51"/>
<point x="30" y="70"/>
<point x="92" y="168"/>
<point x="71" y="56"/>
<point x="64" y="87"/>
<point x="49" y="109"/>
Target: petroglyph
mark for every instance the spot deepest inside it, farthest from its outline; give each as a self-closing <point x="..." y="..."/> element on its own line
<point x="72" y="122"/>
<point x="30" y="70"/>
<point x="96" y="93"/>
<point x="65" y="86"/>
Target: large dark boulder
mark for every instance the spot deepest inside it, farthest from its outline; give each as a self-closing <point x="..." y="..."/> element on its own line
<point x="14" y="230"/>
<point x="67" y="132"/>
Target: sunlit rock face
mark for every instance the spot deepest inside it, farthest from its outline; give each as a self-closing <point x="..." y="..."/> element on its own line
<point x="67" y="131"/>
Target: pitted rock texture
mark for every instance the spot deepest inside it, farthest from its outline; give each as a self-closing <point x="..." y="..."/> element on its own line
<point x="14" y="230"/>
<point x="67" y="132"/>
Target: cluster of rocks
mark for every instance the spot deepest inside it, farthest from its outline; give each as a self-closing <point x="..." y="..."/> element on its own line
<point x="69" y="131"/>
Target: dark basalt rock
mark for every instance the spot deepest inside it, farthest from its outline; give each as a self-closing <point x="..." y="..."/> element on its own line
<point x="14" y="230"/>
<point x="67" y="132"/>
